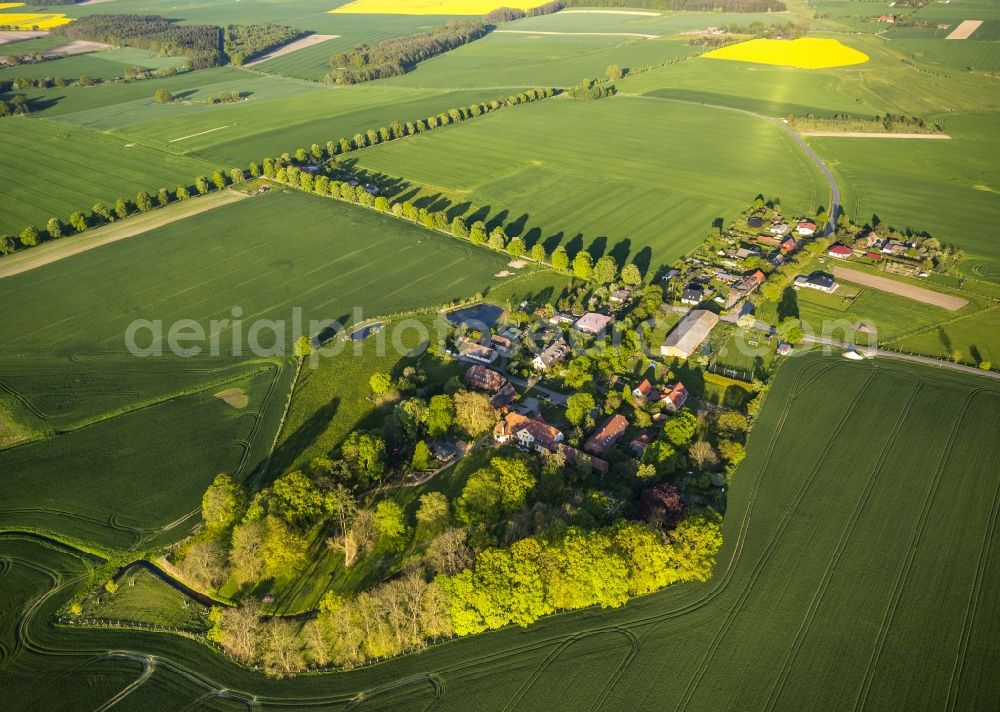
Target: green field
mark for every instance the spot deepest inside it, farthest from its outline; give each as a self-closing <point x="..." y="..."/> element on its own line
<point x="539" y="60"/>
<point x="152" y="434"/>
<point x="50" y="170"/>
<point x="649" y="194"/>
<point x="883" y="84"/>
<point x="306" y="63"/>
<point x="107" y="64"/>
<point x="332" y="258"/>
<point x="972" y="339"/>
<point x="804" y="509"/>
<point x="947" y="188"/>
<point x="146" y="599"/>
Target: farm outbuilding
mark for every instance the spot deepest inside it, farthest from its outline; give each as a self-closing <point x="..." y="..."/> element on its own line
<point x="689" y="333"/>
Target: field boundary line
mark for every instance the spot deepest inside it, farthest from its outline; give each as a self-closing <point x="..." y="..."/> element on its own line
<point x="864" y="690"/>
<point x="820" y="593"/>
<point x="290" y="48"/>
<point x="875" y="134"/>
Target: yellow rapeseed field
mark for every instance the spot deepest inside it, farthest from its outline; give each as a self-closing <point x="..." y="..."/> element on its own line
<point x="803" y="53"/>
<point x="29" y="20"/>
<point x="433" y="7"/>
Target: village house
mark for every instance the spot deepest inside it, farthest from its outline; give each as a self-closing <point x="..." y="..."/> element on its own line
<point x="606" y="435"/>
<point x="485" y="379"/>
<point x="527" y="433"/>
<point x="894" y="247"/>
<point x="675" y="398"/>
<point x="768" y="240"/>
<point x="840" y="252"/>
<point x="503" y="345"/>
<point x="789" y="246"/>
<point x="641" y="441"/>
<point x="889" y="19"/>
<point x="745" y="253"/>
<point x="805" y="228"/>
<point x="556" y="352"/>
<point x="692" y="295"/>
<point x="573" y="456"/>
<point x="619" y="296"/>
<point x="745" y="286"/>
<point x="817" y="280"/>
<point x="592" y="323"/>
<point x="561" y="318"/>
<point x="784" y="348"/>
<point x="779" y="229"/>
<point x="473" y="351"/>
<point x="644" y="391"/>
<point x="689" y="333"/>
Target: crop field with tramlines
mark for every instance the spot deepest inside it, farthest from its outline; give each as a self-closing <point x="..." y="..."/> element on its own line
<point x="809" y="499"/>
<point x="305" y="401"/>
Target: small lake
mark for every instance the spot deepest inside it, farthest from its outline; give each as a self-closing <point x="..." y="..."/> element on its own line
<point x="367" y="330"/>
<point x="480" y="315"/>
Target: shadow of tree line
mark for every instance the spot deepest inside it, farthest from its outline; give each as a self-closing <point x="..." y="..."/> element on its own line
<point x="400" y="190"/>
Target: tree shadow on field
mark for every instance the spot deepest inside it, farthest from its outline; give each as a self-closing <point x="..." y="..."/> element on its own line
<point x="643" y="258"/>
<point x="788" y="307"/>
<point x="532" y="237"/>
<point x="944" y="339"/>
<point x="287" y="452"/>
<point x="552" y="242"/>
<point x="458" y="210"/>
<point x="598" y="247"/>
<point x="515" y="228"/>
<point x="575" y="245"/>
<point x="479" y="215"/>
<point x="621" y="251"/>
<point x="497" y="220"/>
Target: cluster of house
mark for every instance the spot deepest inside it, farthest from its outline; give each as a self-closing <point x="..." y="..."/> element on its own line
<point x="774" y="240"/>
<point x="532" y="433"/>
<point x="488" y="347"/>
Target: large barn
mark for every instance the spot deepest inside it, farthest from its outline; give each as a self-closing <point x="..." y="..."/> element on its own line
<point x="689" y="333"/>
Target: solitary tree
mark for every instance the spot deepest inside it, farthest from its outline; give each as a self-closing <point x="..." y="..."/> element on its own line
<point x="380" y="383"/>
<point x="613" y="72"/>
<point x="163" y="96"/>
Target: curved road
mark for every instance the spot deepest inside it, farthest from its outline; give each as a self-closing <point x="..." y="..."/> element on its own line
<point x="834" y="209"/>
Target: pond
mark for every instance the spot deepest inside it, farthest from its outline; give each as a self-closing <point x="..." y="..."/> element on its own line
<point x="367" y="330"/>
<point x="478" y="316"/>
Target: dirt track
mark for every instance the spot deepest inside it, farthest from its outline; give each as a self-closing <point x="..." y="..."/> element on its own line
<point x="292" y="47"/>
<point x="919" y="294"/>
<point x="50" y="252"/>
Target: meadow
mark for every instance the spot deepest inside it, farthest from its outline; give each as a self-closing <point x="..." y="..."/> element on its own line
<point x="792" y="613"/>
<point x="972" y="339"/>
<point x="649" y="194"/>
<point x="48" y="169"/>
<point x="946" y="188"/>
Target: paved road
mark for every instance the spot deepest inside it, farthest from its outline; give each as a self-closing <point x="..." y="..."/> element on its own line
<point x="926" y="360"/>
